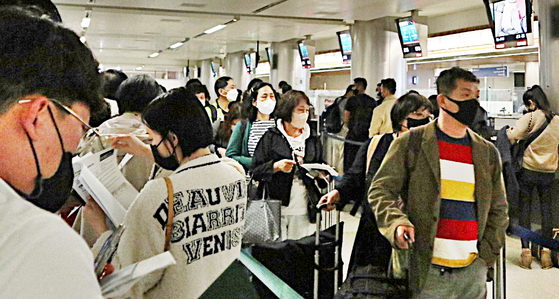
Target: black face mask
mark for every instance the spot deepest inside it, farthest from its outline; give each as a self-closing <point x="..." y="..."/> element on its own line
<point x="412" y="122"/>
<point x="467" y="111"/>
<point x="169" y="163"/>
<point x="51" y="194"/>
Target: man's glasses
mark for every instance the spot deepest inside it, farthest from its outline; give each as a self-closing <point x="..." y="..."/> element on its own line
<point x="85" y="125"/>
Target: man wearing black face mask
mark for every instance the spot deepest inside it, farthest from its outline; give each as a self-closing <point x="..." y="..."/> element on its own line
<point x="49" y="86"/>
<point x="455" y="211"/>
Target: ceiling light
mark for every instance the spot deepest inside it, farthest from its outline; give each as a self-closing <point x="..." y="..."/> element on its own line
<point x="139" y="68"/>
<point x="214" y="29"/>
<point x="82" y="39"/>
<point x="85" y="22"/>
<point x="153" y="55"/>
<point x="176" y="45"/>
<point x="87" y="19"/>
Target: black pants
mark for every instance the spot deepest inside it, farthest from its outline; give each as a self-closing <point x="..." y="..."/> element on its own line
<point x="350" y="151"/>
<point x="541" y="181"/>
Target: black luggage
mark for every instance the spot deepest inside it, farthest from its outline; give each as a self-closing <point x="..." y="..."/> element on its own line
<point x="371" y="282"/>
<point x="293" y="262"/>
<point x="368" y="278"/>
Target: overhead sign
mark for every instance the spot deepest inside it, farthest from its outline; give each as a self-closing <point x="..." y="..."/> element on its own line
<point x="501" y="71"/>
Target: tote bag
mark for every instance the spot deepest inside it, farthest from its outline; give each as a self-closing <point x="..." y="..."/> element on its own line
<point x="262" y="220"/>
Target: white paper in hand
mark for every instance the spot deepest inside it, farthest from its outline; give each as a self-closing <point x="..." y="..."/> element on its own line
<point x="100" y="176"/>
<point x="319" y="166"/>
<point x="120" y="282"/>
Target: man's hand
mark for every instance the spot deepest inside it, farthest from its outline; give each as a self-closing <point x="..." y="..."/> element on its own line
<point x="403" y="232"/>
<point x="329" y="199"/>
<point x="284" y="165"/>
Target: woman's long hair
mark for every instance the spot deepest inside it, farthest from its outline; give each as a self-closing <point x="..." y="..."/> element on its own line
<point x="537" y="95"/>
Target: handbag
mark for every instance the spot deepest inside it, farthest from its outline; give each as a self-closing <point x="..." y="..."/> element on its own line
<point x="170" y="214"/>
<point x="262" y="220"/>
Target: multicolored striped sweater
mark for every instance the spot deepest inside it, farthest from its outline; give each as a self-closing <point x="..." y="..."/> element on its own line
<point x="457" y="231"/>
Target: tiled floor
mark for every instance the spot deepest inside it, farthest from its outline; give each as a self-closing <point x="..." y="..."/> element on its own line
<point x="520" y="283"/>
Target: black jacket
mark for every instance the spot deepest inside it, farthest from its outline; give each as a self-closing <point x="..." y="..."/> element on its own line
<point x="511" y="182"/>
<point x="273" y="147"/>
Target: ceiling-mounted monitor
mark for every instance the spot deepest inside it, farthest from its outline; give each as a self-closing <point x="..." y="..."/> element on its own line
<point x="269" y="54"/>
<point x="248" y="63"/>
<point x="510" y="22"/>
<point x="254" y="59"/>
<point x="214" y="72"/>
<point x="346" y="46"/>
<point x="409" y="37"/>
<point x="304" y="53"/>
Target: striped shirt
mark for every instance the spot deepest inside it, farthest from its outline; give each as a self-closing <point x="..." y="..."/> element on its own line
<point x="456" y="240"/>
<point x="257" y="130"/>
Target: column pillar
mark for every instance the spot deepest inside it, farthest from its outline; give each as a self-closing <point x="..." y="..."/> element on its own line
<point x="532" y="73"/>
<point x="549" y="50"/>
<point x="286" y="65"/>
<point x="235" y="68"/>
<point x="377" y="54"/>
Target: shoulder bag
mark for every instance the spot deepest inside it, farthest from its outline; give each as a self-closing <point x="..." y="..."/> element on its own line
<point x="170" y="214"/>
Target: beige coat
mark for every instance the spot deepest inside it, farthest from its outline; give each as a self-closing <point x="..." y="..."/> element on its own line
<point x="541" y="154"/>
<point x="418" y="164"/>
<point x="381" y="122"/>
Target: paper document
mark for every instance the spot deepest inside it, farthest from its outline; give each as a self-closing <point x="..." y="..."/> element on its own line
<point x="318" y="166"/>
<point x="121" y="281"/>
<point x="100" y="176"/>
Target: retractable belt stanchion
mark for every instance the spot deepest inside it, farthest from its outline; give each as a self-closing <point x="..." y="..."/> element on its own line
<point x="499" y="276"/>
<point x="317" y="255"/>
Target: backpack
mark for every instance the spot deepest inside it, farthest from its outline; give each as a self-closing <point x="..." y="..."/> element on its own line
<point x="333" y="122"/>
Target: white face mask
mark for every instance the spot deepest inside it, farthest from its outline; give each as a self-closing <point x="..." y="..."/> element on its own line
<point x="232" y="95"/>
<point x="266" y="107"/>
<point x="298" y="120"/>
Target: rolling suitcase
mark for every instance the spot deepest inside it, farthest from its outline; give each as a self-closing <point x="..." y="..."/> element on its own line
<point x="311" y="265"/>
<point x="294" y="262"/>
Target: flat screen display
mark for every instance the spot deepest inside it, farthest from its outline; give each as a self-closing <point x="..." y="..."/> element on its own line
<point x="269" y="54"/>
<point x="346" y="46"/>
<point x="408" y="32"/>
<point x="213" y="69"/>
<point x="248" y="61"/>
<point x="254" y="58"/>
<point x="304" y="53"/>
<point x="510" y="22"/>
<point x="409" y="37"/>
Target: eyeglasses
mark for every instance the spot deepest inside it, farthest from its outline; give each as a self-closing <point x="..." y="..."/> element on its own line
<point x="85" y="125"/>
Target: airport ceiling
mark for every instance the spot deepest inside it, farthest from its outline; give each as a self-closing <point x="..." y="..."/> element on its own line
<point x="125" y="32"/>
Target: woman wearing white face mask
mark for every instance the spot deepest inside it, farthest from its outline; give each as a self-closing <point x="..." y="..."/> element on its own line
<point x="273" y="163"/>
<point x="256" y="110"/>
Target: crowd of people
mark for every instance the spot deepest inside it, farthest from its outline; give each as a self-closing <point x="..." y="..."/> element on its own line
<point x="415" y="167"/>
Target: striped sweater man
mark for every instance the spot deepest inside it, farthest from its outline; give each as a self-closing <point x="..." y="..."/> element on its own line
<point x="456" y="239"/>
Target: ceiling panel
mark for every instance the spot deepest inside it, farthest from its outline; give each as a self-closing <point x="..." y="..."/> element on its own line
<point x="215" y="6"/>
<point x="127" y="31"/>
